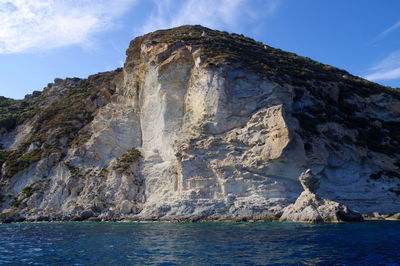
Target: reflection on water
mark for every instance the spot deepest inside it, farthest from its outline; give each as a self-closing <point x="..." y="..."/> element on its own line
<point x="200" y="243"/>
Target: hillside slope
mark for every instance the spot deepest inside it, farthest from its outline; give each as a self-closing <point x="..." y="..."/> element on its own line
<point x="198" y="125"/>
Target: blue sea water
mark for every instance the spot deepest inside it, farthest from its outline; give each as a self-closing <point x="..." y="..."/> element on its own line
<point x="368" y="243"/>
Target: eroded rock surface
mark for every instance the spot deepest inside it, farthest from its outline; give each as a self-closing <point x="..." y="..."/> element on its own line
<point x="308" y="181"/>
<point x="309" y="207"/>
<point x="200" y="125"/>
<point x="395" y="216"/>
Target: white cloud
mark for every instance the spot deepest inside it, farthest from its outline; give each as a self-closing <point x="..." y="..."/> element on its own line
<point x="389" y="30"/>
<point x="220" y="14"/>
<point x="387" y="69"/>
<point x="385" y="75"/>
<point x="43" y="24"/>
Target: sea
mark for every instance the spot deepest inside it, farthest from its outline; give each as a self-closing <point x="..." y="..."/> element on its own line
<point x="85" y="243"/>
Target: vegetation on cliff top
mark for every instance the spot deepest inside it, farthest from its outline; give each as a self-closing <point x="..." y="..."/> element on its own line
<point x="280" y="66"/>
<point x="14" y="112"/>
<point x="301" y="72"/>
<point x="58" y="116"/>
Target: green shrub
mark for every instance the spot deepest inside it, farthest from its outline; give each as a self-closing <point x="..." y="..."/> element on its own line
<point x="68" y="114"/>
<point x="75" y="171"/>
<point x="18" y="161"/>
<point x="128" y="158"/>
<point x="28" y="191"/>
<point x="16" y="203"/>
<point x="14" y="112"/>
<point x="4" y="156"/>
<point x="103" y="172"/>
<point x="81" y="139"/>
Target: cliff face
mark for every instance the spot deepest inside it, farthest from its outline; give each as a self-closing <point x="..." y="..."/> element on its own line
<point x="199" y="124"/>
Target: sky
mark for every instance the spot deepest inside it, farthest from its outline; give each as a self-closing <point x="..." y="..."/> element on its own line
<point x="45" y="39"/>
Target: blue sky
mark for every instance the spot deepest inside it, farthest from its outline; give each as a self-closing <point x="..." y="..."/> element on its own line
<point x="44" y="39"/>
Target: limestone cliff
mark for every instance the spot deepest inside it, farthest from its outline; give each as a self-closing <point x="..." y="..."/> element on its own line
<point x="197" y="125"/>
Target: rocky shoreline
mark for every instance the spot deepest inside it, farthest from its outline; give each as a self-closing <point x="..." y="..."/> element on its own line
<point x="49" y="219"/>
<point x="308" y="208"/>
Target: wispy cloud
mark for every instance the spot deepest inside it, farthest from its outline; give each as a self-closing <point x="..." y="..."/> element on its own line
<point x="389" y="30"/>
<point x="219" y="14"/>
<point x="42" y="24"/>
<point x="387" y="69"/>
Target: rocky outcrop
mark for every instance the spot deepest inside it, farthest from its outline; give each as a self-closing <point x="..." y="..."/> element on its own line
<point x="199" y="125"/>
<point x="311" y="208"/>
<point x="394" y="217"/>
<point x="308" y="181"/>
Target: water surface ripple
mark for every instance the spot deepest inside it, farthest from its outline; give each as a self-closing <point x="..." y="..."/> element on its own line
<point x="368" y="243"/>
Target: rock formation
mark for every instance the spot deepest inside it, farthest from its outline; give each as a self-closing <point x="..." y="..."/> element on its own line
<point x="308" y="181"/>
<point x="395" y="217"/>
<point x="199" y="125"/>
<point x="311" y="208"/>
